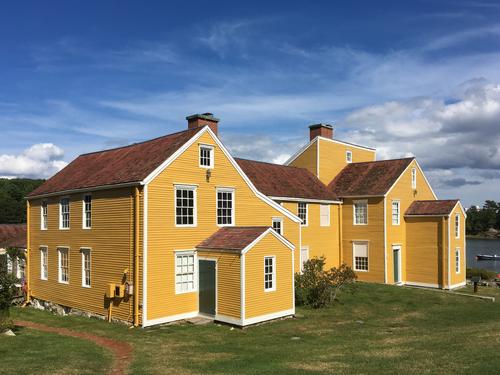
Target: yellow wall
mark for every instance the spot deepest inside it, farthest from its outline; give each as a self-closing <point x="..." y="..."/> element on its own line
<point x="332" y="158"/>
<point x="164" y="237"/>
<point x="456" y="278"/>
<point x="424" y="256"/>
<point x="396" y="234"/>
<point x="308" y="159"/>
<point x="111" y="241"/>
<point x="257" y="301"/>
<point x="228" y="282"/>
<point x="321" y="241"/>
<point x="373" y="233"/>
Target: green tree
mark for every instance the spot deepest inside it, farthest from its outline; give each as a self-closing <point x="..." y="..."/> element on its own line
<point x="12" y="203"/>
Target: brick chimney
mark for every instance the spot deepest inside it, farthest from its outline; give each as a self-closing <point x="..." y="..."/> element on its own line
<point x="198" y="121"/>
<point x="321" y="130"/>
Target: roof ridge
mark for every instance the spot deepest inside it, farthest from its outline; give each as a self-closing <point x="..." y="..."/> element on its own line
<point x="436" y="200"/>
<point x="138" y="143"/>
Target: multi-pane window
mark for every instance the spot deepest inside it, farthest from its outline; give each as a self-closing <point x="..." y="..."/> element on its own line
<point x="185" y="209"/>
<point x="348" y="156"/>
<point x="360" y="212"/>
<point x="302" y="211"/>
<point x="184" y="272"/>
<point x="206" y="156"/>
<point x="395" y="212"/>
<point x="269" y="274"/>
<point x="457" y="260"/>
<point x="44" y="215"/>
<point x="324" y="215"/>
<point x="360" y="250"/>
<point x="413" y="178"/>
<point x="304" y="257"/>
<point x="87" y="211"/>
<point x="278" y="225"/>
<point x="86" y="267"/>
<point x="44" y="263"/>
<point x="457" y="226"/>
<point x="225" y="207"/>
<point x="64" y="213"/>
<point x="63" y="265"/>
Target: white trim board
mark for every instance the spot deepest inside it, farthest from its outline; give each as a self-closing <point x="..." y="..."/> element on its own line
<point x="145" y="257"/>
<point x="275" y="234"/>
<point x="424" y="285"/>
<point x="305" y="200"/>
<point x="170" y="318"/>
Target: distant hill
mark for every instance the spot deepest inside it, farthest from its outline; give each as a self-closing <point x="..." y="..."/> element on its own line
<point x="12" y="202"/>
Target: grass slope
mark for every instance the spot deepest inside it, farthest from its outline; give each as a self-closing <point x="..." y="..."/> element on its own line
<point x="379" y="329"/>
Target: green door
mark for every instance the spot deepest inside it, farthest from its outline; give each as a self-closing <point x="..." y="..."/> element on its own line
<point x="396" y="261"/>
<point x="207" y="286"/>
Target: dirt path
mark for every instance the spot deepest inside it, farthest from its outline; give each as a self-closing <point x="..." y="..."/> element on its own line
<point x="122" y="351"/>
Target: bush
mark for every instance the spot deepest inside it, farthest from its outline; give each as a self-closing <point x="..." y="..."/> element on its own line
<point x="316" y="287"/>
<point x="8" y="292"/>
<point x="484" y="274"/>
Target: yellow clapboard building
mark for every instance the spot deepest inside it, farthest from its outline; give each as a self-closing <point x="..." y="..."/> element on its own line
<point x="176" y="227"/>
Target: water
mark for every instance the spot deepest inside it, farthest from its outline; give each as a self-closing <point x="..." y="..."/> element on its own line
<point x="476" y="246"/>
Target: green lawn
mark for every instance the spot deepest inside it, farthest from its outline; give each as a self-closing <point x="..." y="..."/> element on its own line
<point x="378" y="329"/>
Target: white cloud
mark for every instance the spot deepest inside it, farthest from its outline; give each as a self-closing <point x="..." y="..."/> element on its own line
<point x="40" y="160"/>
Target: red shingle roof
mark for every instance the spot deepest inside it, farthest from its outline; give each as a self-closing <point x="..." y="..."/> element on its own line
<point x="232" y="238"/>
<point x="431" y="208"/>
<point x="13" y="235"/>
<point x="368" y="178"/>
<point x="116" y="166"/>
<point x="284" y="181"/>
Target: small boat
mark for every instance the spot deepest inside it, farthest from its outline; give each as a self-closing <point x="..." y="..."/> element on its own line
<point x="487" y="257"/>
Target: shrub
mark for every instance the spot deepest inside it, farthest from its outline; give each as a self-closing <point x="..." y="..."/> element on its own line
<point x="8" y="292"/>
<point x="317" y="287"/>
<point x="484" y="274"/>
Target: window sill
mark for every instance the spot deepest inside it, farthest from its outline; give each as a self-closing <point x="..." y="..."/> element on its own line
<point x="64" y="228"/>
<point x="64" y="282"/>
<point x="86" y="286"/>
<point x="186" y="226"/>
<point x="360" y="224"/>
<point x="360" y="270"/>
<point x="186" y="292"/>
<point x="269" y="290"/>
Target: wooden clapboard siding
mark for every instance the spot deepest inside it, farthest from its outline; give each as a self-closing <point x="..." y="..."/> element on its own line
<point x="425" y="237"/>
<point x="321" y="241"/>
<point x="332" y="158"/>
<point x="164" y="238"/>
<point x="257" y="300"/>
<point x="396" y="234"/>
<point x="373" y="233"/>
<point x="110" y="241"/>
<point x="308" y="159"/>
<point x="228" y="282"/>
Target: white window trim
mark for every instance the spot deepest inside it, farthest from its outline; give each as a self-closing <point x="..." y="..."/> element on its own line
<point x="212" y="155"/>
<point x="59" y="269"/>
<point x="60" y="213"/>
<point x="300" y="257"/>
<point x="195" y="270"/>
<point x="195" y="205"/>
<point x="233" y="197"/>
<point x="82" y="251"/>
<point x="279" y="219"/>
<point x="307" y="214"/>
<point x="329" y="215"/>
<point x="399" y="212"/>
<point x="354" y="255"/>
<point x="457" y="226"/>
<point x="42" y="221"/>
<point x="457" y="251"/>
<point x="42" y="250"/>
<point x="414" y="178"/>
<point x="273" y="289"/>
<point x="354" y="211"/>
<point x="347" y="154"/>
<point x="84" y="218"/>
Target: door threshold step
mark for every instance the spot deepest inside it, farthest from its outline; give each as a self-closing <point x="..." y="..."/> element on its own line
<point x="200" y="320"/>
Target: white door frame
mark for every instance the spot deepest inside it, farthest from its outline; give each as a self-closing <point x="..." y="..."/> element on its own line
<point x="397" y="248"/>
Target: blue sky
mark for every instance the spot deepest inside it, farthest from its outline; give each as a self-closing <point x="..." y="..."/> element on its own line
<point x="407" y="77"/>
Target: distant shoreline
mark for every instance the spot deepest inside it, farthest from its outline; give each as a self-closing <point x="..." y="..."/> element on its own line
<point x="481" y="237"/>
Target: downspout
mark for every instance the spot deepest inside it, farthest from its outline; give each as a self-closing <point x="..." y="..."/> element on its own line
<point x="136" y="256"/>
<point x="28" y="253"/>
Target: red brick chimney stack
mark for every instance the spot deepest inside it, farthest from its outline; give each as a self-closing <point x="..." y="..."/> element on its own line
<point x="198" y="121"/>
<point x="321" y="130"/>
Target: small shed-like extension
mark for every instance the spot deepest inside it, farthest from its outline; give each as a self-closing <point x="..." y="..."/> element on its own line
<point x="435" y="238"/>
<point x="246" y="275"/>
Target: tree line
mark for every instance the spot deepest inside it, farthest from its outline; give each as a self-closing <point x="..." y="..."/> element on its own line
<point x="482" y="219"/>
<point x="12" y="202"/>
